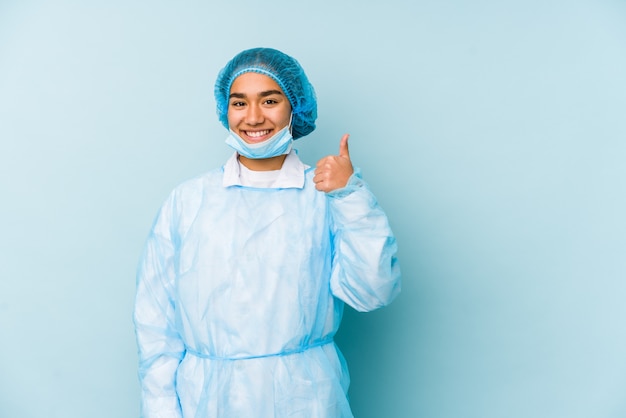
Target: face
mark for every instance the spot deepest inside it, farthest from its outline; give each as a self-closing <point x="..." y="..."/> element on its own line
<point x="257" y="107"/>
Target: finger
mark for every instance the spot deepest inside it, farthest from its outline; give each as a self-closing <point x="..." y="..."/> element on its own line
<point x="343" y="146"/>
<point x="320" y="175"/>
<point x="322" y="161"/>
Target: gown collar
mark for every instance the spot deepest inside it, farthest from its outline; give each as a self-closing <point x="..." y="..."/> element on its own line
<point x="291" y="173"/>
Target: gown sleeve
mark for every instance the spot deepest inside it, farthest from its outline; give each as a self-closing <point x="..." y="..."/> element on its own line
<point x="160" y="346"/>
<point x="365" y="273"/>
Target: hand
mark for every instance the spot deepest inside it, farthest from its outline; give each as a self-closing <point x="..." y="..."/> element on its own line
<point x="333" y="171"/>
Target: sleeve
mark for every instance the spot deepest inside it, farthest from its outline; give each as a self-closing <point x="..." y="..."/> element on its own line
<point x="159" y="344"/>
<point x="365" y="272"/>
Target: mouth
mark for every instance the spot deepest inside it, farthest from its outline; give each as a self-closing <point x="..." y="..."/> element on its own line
<point x="257" y="136"/>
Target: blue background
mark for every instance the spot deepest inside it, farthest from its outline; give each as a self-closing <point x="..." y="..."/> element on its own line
<point x="492" y="132"/>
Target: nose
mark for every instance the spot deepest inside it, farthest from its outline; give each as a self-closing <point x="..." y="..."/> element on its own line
<point x="254" y="115"/>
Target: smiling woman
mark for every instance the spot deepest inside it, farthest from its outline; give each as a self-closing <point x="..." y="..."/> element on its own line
<point x="247" y="268"/>
<point x="256" y="99"/>
<point x="259" y="114"/>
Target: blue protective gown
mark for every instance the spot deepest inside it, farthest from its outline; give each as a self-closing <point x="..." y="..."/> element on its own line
<point x="241" y="290"/>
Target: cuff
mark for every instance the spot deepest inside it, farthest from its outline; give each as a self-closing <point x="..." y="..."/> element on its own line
<point x="355" y="182"/>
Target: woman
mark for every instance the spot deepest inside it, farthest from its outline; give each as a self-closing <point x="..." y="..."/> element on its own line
<point x="242" y="283"/>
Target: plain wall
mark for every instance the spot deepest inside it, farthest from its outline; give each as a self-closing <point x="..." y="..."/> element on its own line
<point x="492" y="132"/>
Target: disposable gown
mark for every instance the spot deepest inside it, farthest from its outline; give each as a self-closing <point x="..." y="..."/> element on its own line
<point x="241" y="290"/>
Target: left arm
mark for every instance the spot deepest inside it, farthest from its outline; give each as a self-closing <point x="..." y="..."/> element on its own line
<point x="366" y="273"/>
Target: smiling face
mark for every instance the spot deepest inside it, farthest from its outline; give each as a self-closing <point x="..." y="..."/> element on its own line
<point x="257" y="107"/>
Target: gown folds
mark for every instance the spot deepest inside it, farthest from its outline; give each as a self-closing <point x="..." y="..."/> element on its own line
<point x="240" y="291"/>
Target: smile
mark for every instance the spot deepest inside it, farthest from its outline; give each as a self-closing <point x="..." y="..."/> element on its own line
<point x="257" y="134"/>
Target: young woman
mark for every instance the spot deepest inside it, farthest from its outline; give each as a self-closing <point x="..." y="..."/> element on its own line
<point x="245" y="273"/>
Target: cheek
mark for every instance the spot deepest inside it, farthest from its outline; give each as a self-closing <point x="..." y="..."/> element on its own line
<point x="283" y="122"/>
<point x="231" y="119"/>
<point x="283" y="117"/>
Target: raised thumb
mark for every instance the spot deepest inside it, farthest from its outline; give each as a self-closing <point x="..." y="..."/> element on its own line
<point x="343" y="146"/>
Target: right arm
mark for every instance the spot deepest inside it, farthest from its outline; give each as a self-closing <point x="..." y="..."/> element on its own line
<point x="160" y="346"/>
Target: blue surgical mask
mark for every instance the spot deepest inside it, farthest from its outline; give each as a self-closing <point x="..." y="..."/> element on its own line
<point x="279" y="144"/>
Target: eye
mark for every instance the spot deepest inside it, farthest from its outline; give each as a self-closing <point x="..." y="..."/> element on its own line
<point x="237" y="104"/>
<point x="271" y="101"/>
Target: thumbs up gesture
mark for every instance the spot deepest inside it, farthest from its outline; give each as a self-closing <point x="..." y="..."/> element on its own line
<point x="333" y="171"/>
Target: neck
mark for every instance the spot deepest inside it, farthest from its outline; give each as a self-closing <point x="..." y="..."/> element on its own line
<point x="264" y="164"/>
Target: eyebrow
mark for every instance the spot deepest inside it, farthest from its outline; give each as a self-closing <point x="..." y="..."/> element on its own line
<point x="261" y="94"/>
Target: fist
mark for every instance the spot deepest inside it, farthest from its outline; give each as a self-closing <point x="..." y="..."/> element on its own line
<point x="333" y="171"/>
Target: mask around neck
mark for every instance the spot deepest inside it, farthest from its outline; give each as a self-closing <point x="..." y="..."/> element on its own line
<point x="279" y="144"/>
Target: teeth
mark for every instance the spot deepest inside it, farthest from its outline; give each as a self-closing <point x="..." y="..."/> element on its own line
<point x="257" y="133"/>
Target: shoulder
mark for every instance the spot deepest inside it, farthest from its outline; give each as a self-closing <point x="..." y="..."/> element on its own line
<point x="186" y="198"/>
<point x="199" y="183"/>
<point x="188" y="194"/>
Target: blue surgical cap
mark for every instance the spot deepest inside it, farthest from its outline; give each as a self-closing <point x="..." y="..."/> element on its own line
<point x="285" y="71"/>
